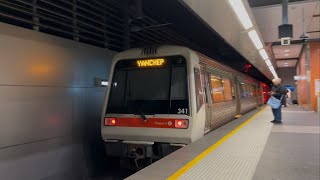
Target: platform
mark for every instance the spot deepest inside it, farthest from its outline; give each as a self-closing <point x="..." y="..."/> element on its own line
<point x="248" y="148"/>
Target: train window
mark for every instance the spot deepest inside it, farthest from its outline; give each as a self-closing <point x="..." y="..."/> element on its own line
<point x="244" y="92"/>
<point x="254" y="92"/>
<point x="249" y="90"/>
<point x="151" y="89"/>
<point x="227" y="89"/>
<point x="217" y="89"/>
<point x="198" y="88"/>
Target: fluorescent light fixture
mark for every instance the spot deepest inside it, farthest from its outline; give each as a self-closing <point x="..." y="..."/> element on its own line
<point x="241" y="12"/>
<point x="264" y="54"/>
<point x="287" y="50"/>
<point x="268" y="62"/>
<point x="287" y="54"/>
<point x="255" y="39"/>
<point x="286" y="65"/>
<point x="104" y="83"/>
<point x="271" y="68"/>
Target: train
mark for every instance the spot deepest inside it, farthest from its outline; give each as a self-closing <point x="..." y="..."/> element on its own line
<point x="162" y="98"/>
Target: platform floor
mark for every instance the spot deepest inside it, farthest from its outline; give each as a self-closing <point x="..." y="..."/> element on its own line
<point x="249" y="148"/>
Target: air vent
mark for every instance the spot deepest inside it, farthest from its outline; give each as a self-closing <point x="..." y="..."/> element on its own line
<point x="150" y="50"/>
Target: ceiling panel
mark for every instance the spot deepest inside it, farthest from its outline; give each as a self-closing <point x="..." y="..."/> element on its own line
<point x="257" y="3"/>
<point x="269" y="18"/>
<point x="286" y="63"/>
<point x="287" y="52"/>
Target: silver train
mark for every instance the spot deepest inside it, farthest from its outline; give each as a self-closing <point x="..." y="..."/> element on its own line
<point x="162" y="98"/>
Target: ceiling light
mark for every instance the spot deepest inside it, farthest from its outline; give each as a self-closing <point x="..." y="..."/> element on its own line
<point x="264" y="54"/>
<point x="274" y="74"/>
<point x="268" y="62"/>
<point x="104" y="83"/>
<point x="241" y="12"/>
<point x="287" y="50"/>
<point x="255" y="39"/>
<point x="287" y="54"/>
<point x="286" y="65"/>
<point x="271" y="68"/>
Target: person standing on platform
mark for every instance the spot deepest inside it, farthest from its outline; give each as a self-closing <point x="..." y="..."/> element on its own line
<point x="278" y="92"/>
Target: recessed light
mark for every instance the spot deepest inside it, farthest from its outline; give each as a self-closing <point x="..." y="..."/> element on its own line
<point x="287" y="50"/>
<point x="286" y="54"/>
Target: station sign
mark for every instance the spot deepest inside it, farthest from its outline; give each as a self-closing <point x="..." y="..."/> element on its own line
<point x="300" y="77"/>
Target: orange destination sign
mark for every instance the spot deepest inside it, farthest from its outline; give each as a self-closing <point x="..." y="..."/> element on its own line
<point x="151" y="62"/>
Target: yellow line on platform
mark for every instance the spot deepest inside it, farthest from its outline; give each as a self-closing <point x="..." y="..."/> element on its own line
<point x="193" y="162"/>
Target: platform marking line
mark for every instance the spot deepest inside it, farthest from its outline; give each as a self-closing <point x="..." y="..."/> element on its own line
<point x="196" y="160"/>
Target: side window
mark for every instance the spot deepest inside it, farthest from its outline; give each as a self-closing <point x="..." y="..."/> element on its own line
<point x="246" y="90"/>
<point x="209" y="85"/>
<point x="254" y="93"/>
<point x="249" y="90"/>
<point x="198" y="88"/>
<point x="243" y="88"/>
<point x="217" y="89"/>
<point x="227" y="89"/>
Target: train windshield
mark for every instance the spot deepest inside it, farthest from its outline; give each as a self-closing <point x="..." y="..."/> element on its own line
<point x="149" y="86"/>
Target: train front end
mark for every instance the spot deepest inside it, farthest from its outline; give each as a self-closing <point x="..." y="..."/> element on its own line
<point x="147" y="107"/>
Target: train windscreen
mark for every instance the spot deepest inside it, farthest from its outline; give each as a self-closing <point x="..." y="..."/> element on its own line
<point x="149" y="86"/>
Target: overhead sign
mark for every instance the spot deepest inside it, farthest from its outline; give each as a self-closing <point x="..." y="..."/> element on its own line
<point x="151" y="62"/>
<point x="300" y="77"/>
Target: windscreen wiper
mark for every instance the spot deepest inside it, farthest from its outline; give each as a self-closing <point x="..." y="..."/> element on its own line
<point x="145" y="119"/>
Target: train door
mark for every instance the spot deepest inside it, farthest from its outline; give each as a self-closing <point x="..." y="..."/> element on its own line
<point x="207" y="97"/>
<point x="237" y="96"/>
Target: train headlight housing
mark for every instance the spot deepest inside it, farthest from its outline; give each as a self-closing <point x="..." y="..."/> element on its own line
<point x="181" y="123"/>
<point x="110" y="121"/>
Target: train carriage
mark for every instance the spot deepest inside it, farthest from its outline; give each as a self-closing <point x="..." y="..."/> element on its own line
<point x="163" y="97"/>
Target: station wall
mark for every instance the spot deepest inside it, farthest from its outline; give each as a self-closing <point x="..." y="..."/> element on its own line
<point x="49" y="106"/>
<point x="302" y="85"/>
<point x="286" y="74"/>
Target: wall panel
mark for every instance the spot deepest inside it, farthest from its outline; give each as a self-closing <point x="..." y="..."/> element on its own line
<point x="50" y="109"/>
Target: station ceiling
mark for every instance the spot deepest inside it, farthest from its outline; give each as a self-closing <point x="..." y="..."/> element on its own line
<point x="303" y="15"/>
<point x="258" y="3"/>
<point x="119" y="25"/>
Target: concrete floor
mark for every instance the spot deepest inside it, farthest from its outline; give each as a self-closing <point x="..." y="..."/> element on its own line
<point x="292" y="150"/>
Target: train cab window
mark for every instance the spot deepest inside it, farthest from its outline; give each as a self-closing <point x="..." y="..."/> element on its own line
<point x="227" y="89"/>
<point x="198" y="88"/>
<point x="149" y="86"/>
<point x="217" y="89"/>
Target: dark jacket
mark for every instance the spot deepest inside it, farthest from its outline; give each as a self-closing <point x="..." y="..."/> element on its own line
<point x="279" y="91"/>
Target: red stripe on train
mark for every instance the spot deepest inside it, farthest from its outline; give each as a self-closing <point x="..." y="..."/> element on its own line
<point x="150" y="122"/>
